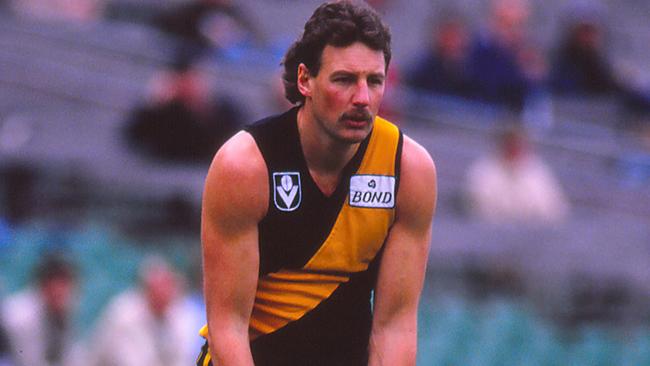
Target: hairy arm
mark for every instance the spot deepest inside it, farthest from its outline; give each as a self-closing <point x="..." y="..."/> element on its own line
<point x="234" y="201"/>
<point x="393" y="340"/>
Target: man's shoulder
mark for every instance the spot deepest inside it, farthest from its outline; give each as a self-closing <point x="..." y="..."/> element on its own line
<point x="416" y="157"/>
<point x="240" y="155"/>
<point x="237" y="178"/>
<point x="240" y="144"/>
<point x="418" y="173"/>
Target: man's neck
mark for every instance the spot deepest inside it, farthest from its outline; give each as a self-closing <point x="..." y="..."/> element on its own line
<point x="322" y="151"/>
<point x="325" y="156"/>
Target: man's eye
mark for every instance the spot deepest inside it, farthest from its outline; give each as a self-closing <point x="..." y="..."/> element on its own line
<point x="344" y="80"/>
<point x="376" y="81"/>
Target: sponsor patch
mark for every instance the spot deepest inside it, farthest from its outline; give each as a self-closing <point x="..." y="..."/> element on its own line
<point x="372" y="191"/>
<point x="287" y="192"/>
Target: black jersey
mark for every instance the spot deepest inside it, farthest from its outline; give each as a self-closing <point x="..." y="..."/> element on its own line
<point x="319" y="254"/>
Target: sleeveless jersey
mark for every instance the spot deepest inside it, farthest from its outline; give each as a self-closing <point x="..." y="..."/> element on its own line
<point x="319" y="254"/>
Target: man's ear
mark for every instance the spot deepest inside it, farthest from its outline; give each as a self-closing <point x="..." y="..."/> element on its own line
<point x="304" y="78"/>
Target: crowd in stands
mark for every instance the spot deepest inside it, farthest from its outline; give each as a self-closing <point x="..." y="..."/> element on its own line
<point x="496" y="62"/>
<point x="500" y="64"/>
<point x="152" y="322"/>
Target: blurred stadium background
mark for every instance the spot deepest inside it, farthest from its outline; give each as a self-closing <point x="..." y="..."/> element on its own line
<point x="576" y="292"/>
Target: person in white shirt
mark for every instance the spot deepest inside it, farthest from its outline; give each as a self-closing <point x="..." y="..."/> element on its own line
<point x="147" y="325"/>
<point x="39" y="319"/>
<point x="514" y="184"/>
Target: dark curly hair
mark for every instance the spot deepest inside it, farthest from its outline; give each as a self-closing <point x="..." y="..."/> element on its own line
<point x="338" y="24"/>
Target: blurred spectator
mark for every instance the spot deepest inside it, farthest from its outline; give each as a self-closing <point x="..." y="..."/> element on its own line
<point x="209" y="24"/>
<point x="147" y="325"/>
<point x="442" y="68"/>
<point x="581" y="67"/>
<point x="39" y="320"/>
<point x="504" y="67"/>
<point x="68" y="10"/>
<point x="183" y="120"/>
<point x="514" y="185"/>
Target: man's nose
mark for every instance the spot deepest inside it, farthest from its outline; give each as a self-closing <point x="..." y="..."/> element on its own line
<point x="361" y="97"/>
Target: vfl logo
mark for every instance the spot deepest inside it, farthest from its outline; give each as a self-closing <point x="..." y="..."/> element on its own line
<point x="287" y="193"/>
<point x="372" y="191"/>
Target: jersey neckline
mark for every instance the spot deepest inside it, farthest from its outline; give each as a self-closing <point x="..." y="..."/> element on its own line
<point x="348" y="170"/>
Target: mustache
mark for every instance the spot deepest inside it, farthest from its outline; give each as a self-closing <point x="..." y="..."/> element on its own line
<point x="358" y="115"/>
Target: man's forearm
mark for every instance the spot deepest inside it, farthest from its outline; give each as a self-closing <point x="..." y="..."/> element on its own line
<point x="395" y="348"/>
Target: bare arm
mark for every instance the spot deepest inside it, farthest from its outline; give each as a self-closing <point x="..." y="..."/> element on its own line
<point x="393" y="340"/>
<point x="234" y="201"/>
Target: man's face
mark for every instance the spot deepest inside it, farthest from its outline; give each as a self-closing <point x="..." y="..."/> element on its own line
<point x="161" y="289"/>
<point x="58" y="294"/>
<point x="451" y="40"/>
<point x="345" y="95"/>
